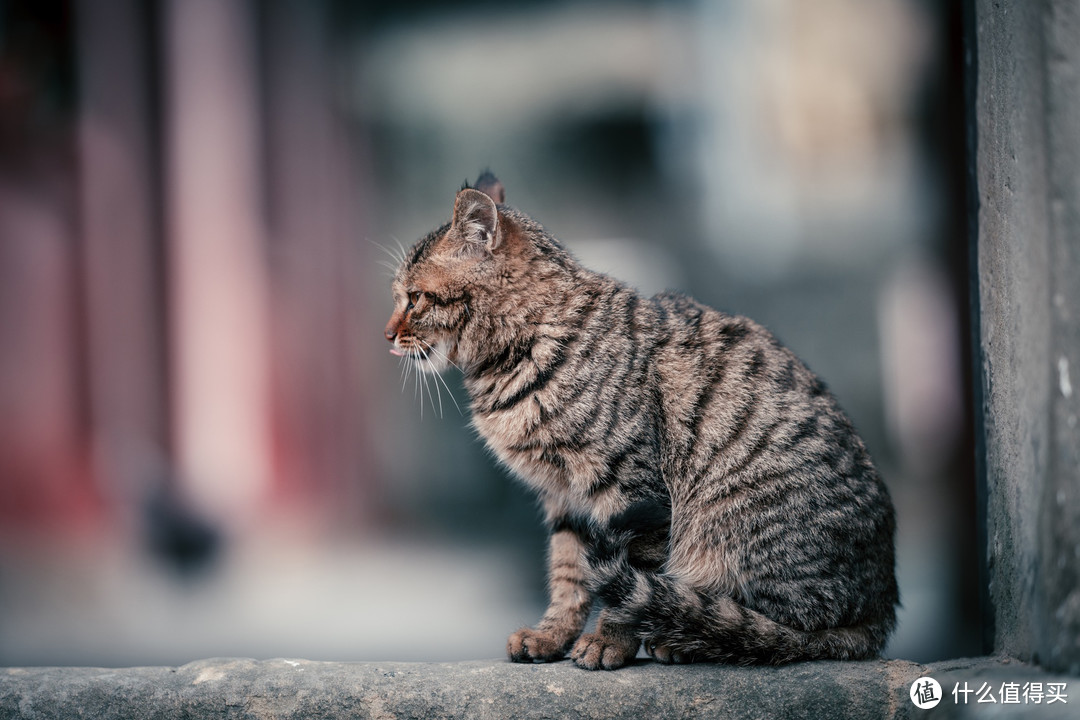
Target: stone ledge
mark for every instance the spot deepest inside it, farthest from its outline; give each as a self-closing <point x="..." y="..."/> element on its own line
<point x="284" y="689"/>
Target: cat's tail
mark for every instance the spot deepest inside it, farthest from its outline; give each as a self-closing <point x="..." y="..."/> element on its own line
<point x="684" y="623"/>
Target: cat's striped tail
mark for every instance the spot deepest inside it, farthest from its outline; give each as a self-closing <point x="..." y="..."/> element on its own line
<point x="682" y="623"/>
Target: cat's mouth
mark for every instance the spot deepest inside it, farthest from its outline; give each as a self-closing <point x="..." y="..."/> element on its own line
<point x="428" y="355"/>
<point x="407" y="348"/>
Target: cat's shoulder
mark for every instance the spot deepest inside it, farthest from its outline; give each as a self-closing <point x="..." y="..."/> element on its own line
<point x="685" y="309"/>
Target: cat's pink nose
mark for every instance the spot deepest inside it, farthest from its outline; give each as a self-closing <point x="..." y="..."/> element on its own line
<point x="390" y="333"/>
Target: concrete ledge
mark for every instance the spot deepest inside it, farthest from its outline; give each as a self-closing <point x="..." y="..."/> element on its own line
<point x="283" y="689"/>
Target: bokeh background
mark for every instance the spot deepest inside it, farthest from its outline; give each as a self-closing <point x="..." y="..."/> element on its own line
<point x="205" y="448"/>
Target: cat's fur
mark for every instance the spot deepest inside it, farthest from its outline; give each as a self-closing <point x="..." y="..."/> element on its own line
<point x="695" y="476"/>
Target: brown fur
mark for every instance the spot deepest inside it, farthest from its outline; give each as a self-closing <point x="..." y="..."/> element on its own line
<point x="696" y="477"/>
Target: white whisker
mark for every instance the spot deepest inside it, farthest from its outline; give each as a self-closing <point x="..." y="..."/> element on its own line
<point x="434" y="371"/>
<point x="430" y="398"/>
<point x="438" y="391"/>
<point x="403" y="366"/>
<point x="395" y="257"/>
<point x="418" y="387"/>
<point x="401" y="248"/>
<point x="442" y="356"/>
<point x="439" y="379"/>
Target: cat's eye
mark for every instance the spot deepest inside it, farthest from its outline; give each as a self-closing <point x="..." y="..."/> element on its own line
<point x="414" y="298"/>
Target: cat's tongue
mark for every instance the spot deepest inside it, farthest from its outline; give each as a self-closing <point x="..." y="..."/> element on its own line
<point x="395" y="351"/>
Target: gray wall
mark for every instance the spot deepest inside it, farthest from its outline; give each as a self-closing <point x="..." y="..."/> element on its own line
<point x="1027" y="160"/>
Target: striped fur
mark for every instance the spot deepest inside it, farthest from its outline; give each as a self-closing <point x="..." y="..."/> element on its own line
<point x="696" y="477"/>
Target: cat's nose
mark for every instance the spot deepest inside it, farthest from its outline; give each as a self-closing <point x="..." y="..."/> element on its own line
<point x="390" y="332"/>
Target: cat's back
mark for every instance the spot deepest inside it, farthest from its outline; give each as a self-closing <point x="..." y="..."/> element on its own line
<point x="738" y="403"/>
<point x="720" y="374"/>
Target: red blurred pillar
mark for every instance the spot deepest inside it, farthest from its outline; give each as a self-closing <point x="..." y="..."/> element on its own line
<point x="217" y="256"/>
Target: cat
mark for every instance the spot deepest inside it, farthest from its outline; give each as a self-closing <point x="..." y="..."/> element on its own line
<point x="695" y="477"/>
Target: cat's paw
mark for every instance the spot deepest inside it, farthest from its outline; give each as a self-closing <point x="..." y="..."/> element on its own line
<point x="594" y="651"/>
<point x="528" y="645"/>
<point x="658" y="651"/>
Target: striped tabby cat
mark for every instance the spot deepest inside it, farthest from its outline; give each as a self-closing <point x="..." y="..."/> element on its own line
<point x="695" y="476"/>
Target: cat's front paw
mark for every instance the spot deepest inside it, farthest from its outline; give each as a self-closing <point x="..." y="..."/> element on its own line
<point x="528" y="645"/>
<point x="595" y="651"/>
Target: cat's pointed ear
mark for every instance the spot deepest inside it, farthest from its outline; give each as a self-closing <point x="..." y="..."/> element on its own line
<point x="476" y="220"/>
<point x="488" y="184"/>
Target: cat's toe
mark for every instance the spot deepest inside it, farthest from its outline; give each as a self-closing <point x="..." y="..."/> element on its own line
<point x="662" y="653"/>
<point x="528" y="645"/>
<point x="598" y="652"/>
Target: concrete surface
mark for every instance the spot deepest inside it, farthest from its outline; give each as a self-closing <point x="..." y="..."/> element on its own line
<point x="1027" y="155"/>
<point x="284" y="689"/>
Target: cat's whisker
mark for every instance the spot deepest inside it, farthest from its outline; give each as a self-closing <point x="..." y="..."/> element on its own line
<point x="425" y="359"/>
<point x="442" y="356"/>
<point x="422" y="383"/>
<point x="426" y="352"/>
<point x="388" y="270"/>
<point x="401" y="249"/>
<point x="439" y="378"/>
<point x="421" y="360"/>
<point x="418" y="387"/>
<point x="396" y="258"/>
<point x="403" y="367"/>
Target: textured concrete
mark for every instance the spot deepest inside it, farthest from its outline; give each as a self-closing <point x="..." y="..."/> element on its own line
<point x="284" y="689"/>
<point x="1059" y="541"/>
<point x="1027" y="138"/>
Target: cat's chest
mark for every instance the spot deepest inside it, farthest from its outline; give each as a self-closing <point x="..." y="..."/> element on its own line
<point x="557" y="467"/>
<point x="520" y="440"/>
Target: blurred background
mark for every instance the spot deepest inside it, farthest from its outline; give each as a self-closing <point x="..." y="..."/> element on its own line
<point x="205" y="448"/>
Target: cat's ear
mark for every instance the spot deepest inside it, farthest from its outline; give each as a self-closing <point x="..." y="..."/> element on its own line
<point x="476" y="220"/>
<point x="488" y="184"/>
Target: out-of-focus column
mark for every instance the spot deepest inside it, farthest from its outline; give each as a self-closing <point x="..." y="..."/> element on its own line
<point x="216" y="254"/>
<point x="122" y="309"/>
<point x="322" y="453"/>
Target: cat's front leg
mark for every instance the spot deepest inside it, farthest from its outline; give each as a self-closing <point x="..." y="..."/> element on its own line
<point x="568" y="610"/>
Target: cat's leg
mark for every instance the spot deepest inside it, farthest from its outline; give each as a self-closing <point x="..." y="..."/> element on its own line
<point x="638" y="535"/>
<point x="568" y="610"/>
<point x="609" y="648"/>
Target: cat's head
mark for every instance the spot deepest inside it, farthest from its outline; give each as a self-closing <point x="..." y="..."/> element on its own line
<point x="461" y="290"/>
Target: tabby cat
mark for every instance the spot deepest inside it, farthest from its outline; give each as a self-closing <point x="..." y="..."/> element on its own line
<point x="695" y="476"/>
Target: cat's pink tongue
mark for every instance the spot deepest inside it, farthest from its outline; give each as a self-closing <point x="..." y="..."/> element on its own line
<point x="395" y="351"/>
